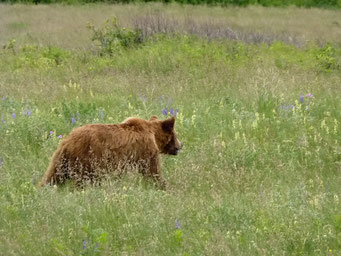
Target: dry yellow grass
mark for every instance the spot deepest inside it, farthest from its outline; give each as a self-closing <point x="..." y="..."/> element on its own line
<point x="65" y="26"/>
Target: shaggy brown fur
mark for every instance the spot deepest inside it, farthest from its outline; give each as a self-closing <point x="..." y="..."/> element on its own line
<point x="93" y="150"/>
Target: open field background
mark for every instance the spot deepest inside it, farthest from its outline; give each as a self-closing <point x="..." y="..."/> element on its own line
<point x="281" y="3"/>
<point x="258" y="97"/>
<point x="65" y="26"/>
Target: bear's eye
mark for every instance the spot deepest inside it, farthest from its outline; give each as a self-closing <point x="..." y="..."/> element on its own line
<point x="170" y="143"/>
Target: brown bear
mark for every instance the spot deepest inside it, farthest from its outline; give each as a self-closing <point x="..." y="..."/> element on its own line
<point x="94" y="150"/>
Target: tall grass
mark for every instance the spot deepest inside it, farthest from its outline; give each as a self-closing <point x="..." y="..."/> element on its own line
<point x="259" y="174"/>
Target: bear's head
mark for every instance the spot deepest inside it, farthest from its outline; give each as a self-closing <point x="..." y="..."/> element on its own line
<point x="166" y="136"/>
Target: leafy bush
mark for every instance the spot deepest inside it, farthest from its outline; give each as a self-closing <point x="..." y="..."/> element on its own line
<point x="327" y="58"/>
<point x="113" y="38"/>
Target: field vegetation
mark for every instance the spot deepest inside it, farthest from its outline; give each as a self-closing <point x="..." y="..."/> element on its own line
<point x="281" y="3"/>
<point x="257" y="97"/>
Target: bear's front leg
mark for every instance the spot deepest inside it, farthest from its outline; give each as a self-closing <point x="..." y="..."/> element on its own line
<point x="155" y="172"/>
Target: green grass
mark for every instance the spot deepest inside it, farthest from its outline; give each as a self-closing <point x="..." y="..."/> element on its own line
<point x="259" y="174"/>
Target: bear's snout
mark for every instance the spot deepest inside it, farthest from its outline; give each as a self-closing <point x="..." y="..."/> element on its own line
<point x="178" y="148"/>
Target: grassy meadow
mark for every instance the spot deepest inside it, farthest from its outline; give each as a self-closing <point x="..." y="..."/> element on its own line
<point x="258" y="96"/>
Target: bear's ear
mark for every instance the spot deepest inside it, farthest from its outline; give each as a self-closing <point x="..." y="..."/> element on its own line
<point x="152" y="118"/>
<point x="168" y="124"/>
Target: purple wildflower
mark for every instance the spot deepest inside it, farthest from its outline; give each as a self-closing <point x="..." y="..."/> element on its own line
<point x="173" y="112"/>
<point x="51" y="132"/>
<point x="102" y="114"/>
<point x="301" y="98"/>
<point x="84" y="244"/>
<point x="14" y="115"/>
<point x="73" y="120"/>
<point x="26" y="112"/>
<point x="177" y="224"/>
<point x="310" y="95"/>
<point x="164" y="111"/>
<point x="60" y="136"/>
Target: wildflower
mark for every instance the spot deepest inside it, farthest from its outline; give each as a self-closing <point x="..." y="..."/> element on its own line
<point x="102" y="114"/>
<point x="51" y="132"/>
<point x="26" y="112"/>
<point x="177" y="224"/>
<point x="193" y="118"/>
<point x="164" y="111"/>
<point x="323" y="124"/>
<point x="301" y="98"/>
<point x="172" y="111"/>
<point x="310" y="95"/>
<point x="234" y="124"/>
<point x="73" y="120"/>
<point x="335" y="126"/>
<point x="84" y="244"/>
<point x="60" y="136"/>
<point x="14" y="115"/>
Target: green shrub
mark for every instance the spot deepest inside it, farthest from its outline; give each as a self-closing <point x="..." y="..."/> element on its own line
<point x="327" y="58"/>
<point x="113" y="38"/>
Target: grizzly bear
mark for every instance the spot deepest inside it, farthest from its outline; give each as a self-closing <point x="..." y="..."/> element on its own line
<point x="95" y="150"/>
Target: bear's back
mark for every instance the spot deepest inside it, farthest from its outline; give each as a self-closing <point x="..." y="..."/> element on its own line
<point x="132" y="137"/>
